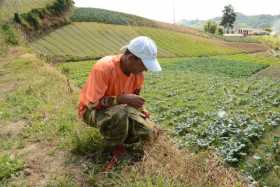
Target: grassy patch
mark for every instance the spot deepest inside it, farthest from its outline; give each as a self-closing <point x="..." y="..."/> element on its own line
<point x="9" y="166"/>
<point x="272" y="41"/>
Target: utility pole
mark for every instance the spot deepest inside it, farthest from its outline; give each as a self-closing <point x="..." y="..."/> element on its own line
<point x="173" y="5"/>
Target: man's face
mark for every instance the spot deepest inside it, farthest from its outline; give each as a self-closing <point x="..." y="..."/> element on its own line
<point x="135" y="64"/>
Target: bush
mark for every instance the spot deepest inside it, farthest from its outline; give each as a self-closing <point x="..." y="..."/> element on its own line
<point x="9" y="166"/>
<point x="210" y="27"/>
<point x="9" y="35"/>
<point x="220" y="31"/>
<point x="35" y="20"/>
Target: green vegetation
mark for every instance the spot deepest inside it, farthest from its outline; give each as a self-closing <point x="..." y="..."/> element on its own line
<point x="43" y="19"/>
<point x="47" y="104"/>
<point x="113" y="17"/>
<point x="272" y="41"/>
<point x="238" y="39"/>
<point x="60" y="150"/>
<point x="9" y="35"/>
<point x="228" y="19"/>
<point x="210" y="27"/>
<point x="109" y="17"/>
<point x="9" y="7"/>
<point x="242" y="20"/>
<point x="94" y="40"/>
<point x="209" y="103"/>
<point x="9" y="166"/>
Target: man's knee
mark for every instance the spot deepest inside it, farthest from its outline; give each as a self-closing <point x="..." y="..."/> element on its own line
<point x="89" y="117"/>
<point x="115" y="128"/>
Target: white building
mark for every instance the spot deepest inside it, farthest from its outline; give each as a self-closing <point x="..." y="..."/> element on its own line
<point x="251" y="31"/>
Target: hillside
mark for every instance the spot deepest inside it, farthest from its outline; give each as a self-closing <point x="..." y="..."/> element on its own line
<point x="84" y="40"/>
<point x="242" y="20"/>
<point x="9" y="7"/>
<point x="217" y="104"/>
<point x="119" y="18"/>
<point x="110" y="17"/>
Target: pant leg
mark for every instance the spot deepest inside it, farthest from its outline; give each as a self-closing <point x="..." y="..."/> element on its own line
<point x="140" y="127"/>
<point x="89" y="117"/>
<point x="120" y="124"/>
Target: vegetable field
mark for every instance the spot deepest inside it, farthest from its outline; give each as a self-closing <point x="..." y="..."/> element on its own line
<point x="94" y="40"/>
<point x="214" y="103"/>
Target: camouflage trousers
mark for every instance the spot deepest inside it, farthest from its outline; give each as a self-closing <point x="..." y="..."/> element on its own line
<point x="121" y="124"/>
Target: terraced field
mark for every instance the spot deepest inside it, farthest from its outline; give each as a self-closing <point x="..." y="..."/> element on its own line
<point x="211" y="103"/>
<point x="9" y="7"/>
<point x="94" y="40"/>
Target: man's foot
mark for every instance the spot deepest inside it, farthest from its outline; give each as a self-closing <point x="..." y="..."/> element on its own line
<point x="116" y="154"/>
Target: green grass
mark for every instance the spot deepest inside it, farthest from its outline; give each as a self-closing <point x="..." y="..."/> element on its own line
<point x="94" y="40"/>
<point x="272" y="41"/>
<point x="9" y="7"/>
<point x="9" y="166"/>
<point x="189" y="94"/>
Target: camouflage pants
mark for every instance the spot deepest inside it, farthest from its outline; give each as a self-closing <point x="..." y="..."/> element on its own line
<point x="121" y="124"/>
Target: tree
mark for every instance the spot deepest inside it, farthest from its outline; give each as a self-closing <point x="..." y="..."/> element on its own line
<point x="229" y="17"/>
<point x="211" y="27"/>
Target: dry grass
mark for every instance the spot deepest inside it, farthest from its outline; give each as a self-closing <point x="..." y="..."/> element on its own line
<point x="247" y="47"/>
<point x="163" y="158"/>
<point x="272" y="72"/>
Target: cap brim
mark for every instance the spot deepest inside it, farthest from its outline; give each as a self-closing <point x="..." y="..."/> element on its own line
<point x="152" y="65"/>
<point x="124" y="47"/>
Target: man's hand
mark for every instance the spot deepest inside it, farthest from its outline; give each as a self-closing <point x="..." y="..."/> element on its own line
<point x="133" y="100"/>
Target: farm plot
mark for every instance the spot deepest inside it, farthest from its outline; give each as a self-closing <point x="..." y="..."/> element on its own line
<point x="94" y="40"/>
<point x="209" y="103"/>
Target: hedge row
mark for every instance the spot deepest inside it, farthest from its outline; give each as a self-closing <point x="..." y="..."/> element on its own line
<point x="110" y="17"/>
<point x="42" y="19"/>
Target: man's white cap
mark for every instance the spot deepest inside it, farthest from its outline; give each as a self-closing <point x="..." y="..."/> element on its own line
<point x="145" y="49"/>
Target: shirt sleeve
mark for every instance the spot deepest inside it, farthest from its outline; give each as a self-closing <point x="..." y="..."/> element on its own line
<point x="97" y="85"/>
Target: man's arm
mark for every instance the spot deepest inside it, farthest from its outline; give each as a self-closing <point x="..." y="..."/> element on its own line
<point x="133" y="100"/>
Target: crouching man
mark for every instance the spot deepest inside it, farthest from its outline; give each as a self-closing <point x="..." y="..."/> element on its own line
<point x="110" y="100"/>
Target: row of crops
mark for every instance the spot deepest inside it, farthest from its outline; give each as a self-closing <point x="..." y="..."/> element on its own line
<point x="94" y="40"/>
<point x="209" y="103"/>
<point x="9" y="7"/>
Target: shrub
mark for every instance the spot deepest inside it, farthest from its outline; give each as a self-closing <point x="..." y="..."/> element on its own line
<point x="35" y="20"/>
<point x="9" y="35"/>
<point x="210" y="27"/>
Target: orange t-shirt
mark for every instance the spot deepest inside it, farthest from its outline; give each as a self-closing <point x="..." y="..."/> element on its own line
<point x="107" y="79"/>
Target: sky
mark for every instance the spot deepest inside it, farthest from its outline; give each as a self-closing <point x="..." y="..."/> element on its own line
<point x="162" y="10"/>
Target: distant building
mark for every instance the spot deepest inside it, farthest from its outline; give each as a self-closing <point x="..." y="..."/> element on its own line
<point x="235" y="34"/>
<point x="251" y="31"/>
